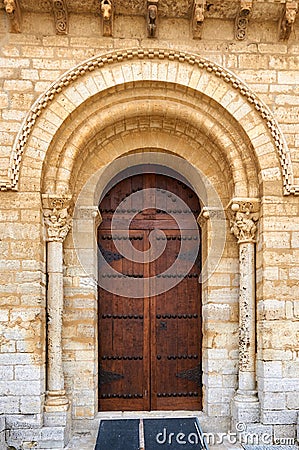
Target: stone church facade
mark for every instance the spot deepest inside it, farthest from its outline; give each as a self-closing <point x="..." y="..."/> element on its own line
<point x="208" y="90"/>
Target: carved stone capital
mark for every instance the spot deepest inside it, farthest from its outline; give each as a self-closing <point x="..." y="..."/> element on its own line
<point x="209" y="213"/>
<point x="286" y="24"/>
<point x="242" y="19"/>
<point x="152" y="18"/>
<point x="107" y="13"/>
<point x="198" y="17"/>
<point x="243" y="215"/>
<point x="13" y="11"/>
<point x="90" y="213"/>
<point x="60" y="16"/>
<point x="57" y="216"/>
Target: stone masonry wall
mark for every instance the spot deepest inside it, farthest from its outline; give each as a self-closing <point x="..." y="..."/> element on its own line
<point x="29" y="63"/>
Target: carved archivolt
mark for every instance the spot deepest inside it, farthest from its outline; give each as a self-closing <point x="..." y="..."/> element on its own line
<point x="202" y="64"/>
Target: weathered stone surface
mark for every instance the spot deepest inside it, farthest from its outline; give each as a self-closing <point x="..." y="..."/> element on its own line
<point x="201" y="99"/>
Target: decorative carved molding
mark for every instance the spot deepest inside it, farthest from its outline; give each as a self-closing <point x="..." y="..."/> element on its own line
<point x="98" y="62"/>
<point x="244" y="214"/>
<point x="152" y="18"/>
<point x="61" y="16"/>
<point x="13" y="11"/>
<point x="286" y="24"/>
<point x="242" y="19"/>
<point x="57" y="217"/>
<point x="107" y="12"/>
<point x="198" y="17"/>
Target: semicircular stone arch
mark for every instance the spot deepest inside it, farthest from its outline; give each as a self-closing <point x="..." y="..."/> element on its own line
<point x="100" y="123"/>
<point x="253" y="126"/>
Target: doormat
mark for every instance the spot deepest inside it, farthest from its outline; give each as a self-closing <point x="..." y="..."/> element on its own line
<point x="120" y="434"/>
<point x="173" y="434"/>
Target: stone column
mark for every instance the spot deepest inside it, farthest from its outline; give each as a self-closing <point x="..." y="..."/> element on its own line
<point x="244" y="214"/>
<point x="58" y="223"/>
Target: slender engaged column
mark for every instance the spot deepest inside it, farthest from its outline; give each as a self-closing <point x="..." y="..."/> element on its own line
<point x="57" y="221"/>
<point x="244" y="214"/>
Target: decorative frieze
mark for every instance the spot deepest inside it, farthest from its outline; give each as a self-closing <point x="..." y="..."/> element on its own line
<point x="198" y="17"/>
<point x="107" y="12"/>
<point x="152" y="18"/>
<point x="287" y="21"/>
<point x="57" y="217"/>
<point x="60" y="16"/>
<point x="242" y="19"/>
<point x="244" y="215"/>
<point x="13" y="11"/>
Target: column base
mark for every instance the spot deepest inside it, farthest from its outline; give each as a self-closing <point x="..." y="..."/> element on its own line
<point x="245" y="407"/>
<point x="56" y="401"/>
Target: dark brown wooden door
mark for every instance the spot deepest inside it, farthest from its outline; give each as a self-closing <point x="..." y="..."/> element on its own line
<point x="150" y="343"/>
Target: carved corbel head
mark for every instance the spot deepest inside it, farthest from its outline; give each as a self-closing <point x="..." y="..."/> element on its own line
<point x="13" y="12"/>
<point x="245" y="7"/>
<point x="106" y="9"/>
<point x="152" y="18"/>
<point x="107" y="12"/>
<point x="287" y="21"/>
<point x="10" y="6"/>
<point x="198" y="18"/>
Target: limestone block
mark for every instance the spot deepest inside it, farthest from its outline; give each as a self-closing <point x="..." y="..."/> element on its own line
<point x="24" y="421"/>
<point x="276" y="385"/>
<point x="273" y="400"/>
<point x="279" y="417"/>
<point x="57" y="418"/>
<point x="291" y="370"/>
<point x="31" y="404"/>
<point x="271" y="369"/>
<point x="10" y="404"/>
<point x="271" y="309"/>
<point x="2" y="431"/>
<point x="284" y="432"/>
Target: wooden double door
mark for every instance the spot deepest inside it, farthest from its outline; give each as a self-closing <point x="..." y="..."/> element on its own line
<point x="150" y="309"/>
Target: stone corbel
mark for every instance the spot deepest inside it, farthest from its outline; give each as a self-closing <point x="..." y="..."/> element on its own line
<point x="286" y="23"/>
<point x="152" y="18"/>
<point x="242" y="19"/>
<point x="13" y="11"/>
<point x="198" y="17"/>
<point x="107" y="13"/>
<point x="60" y="16"/>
